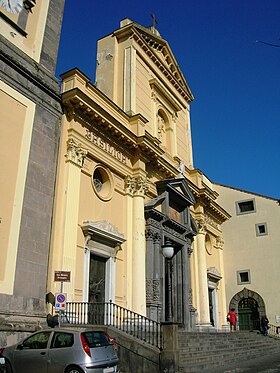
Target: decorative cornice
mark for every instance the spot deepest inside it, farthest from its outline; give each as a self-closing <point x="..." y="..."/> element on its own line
<point x="79" y="106"/>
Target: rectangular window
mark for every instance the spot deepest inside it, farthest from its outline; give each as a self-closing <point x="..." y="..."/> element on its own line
<point x="243" y="277"/>
<point x="62" y="339"/>
<point x="245" y="207"/>
<point x="261" y="229"/>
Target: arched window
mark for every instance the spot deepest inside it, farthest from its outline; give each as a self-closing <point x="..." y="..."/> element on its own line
<point x="162" y="128"/>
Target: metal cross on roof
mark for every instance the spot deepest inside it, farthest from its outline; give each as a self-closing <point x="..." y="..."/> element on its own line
<point x="155" y="22"/>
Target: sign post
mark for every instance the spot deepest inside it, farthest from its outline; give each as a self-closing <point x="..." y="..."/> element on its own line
<point x="60" y="298"/>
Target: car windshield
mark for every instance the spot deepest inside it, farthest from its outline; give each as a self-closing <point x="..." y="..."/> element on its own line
<point x="96" y="339"/>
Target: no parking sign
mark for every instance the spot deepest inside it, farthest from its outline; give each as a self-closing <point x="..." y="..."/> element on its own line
<point x="60" y="301"/>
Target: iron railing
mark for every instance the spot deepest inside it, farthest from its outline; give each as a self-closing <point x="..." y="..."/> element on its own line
<point x="109" y="313"/>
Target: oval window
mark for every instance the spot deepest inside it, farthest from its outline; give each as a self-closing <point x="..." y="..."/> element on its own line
<point x="102" y="182"/>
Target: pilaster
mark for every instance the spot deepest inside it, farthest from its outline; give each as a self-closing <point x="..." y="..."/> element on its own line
<point x="203" y="321"/>
<point x="74" y="159"/>
<point x="224" y="308"/>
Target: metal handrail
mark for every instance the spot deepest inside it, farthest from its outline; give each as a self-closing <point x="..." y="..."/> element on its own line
<point x="111" y="314"/>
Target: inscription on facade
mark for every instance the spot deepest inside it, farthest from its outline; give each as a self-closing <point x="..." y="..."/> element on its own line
<point x="104" y="145"/>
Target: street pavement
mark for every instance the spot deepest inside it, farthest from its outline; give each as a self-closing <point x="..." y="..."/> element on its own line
<point x="262" y="364"/>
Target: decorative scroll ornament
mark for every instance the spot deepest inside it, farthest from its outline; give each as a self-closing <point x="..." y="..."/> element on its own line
<point x="219" y="243"/>
<point x="174" y="117"/>
<point x="136" y="185"/>
<point x="152" y="290"/>
<point x="75" y="153"/>
<point x="149" y="290"/>
<point x="202" y="225"/>
<point x="190" y="297"/>
<point x="190" y="250"/>
<point x="156" y="290"/>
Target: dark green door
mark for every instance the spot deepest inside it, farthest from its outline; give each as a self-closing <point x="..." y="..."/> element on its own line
<point x="244" y="318"/>
<point x="97" y="273"/>
<point x="248" y="314"/>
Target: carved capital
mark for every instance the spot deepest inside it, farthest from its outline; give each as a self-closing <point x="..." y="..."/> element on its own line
<point x="152" y="235"/>
<point x="75" y="153"/>
<point x="136" y="185"/>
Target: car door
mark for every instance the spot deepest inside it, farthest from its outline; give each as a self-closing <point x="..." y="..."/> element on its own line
<point x="61" y="352"/>
<point x="31" y="355"/>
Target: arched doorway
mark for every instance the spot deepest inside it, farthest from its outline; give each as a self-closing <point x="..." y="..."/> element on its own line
<point x="250" y="308"/>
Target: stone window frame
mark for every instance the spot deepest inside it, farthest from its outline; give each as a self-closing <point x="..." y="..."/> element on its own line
<point x="258" y="226"/>
<point x="239" y="279"/>
<point x="238" y="204"/>
<point x="105" y="193"/>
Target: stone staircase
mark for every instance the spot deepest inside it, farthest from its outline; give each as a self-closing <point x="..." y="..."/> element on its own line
<point x="203" y="352"/>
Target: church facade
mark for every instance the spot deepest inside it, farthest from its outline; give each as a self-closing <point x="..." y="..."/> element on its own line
<point x="126" y="188"/>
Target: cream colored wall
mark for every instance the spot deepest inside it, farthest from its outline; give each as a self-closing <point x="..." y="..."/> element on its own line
<point x="246" y="251"/>
<point x="105" y="66"/>
<point x="90" y="207"/>
<point x="17" y="115"/>
<point x="114" y="211"/>
<point x="143" y="93"/>
<point x="110" y="80"/>
<point x="35" y="28"/>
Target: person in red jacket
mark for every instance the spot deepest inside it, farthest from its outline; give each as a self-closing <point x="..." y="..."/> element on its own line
<point x="232" y="318"/>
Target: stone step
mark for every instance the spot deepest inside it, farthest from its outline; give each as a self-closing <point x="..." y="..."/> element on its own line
<point x="199" y="352"/>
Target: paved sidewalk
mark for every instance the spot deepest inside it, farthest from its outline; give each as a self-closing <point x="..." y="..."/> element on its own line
<point x="267" y="364"/>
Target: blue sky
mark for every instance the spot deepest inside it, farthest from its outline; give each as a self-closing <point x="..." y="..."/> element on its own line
<point x="235" y="80"/>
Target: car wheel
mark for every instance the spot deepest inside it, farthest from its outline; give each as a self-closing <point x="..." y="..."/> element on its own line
<point x="74" y="370"/>
<point x="8" y="368"/>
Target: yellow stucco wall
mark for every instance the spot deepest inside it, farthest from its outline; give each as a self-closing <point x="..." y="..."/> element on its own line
<point x="16" y="128"/>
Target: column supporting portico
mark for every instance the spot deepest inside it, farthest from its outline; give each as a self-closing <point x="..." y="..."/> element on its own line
<point x="137" y="187"/>
<point x="203" y="321"/>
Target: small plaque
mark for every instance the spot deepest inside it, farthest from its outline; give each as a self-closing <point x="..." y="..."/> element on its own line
<point x="62" y="276"/>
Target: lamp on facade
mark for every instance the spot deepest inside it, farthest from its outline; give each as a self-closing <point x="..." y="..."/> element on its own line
<point x="168" y="253"/>
<point x="168" y="249"/>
